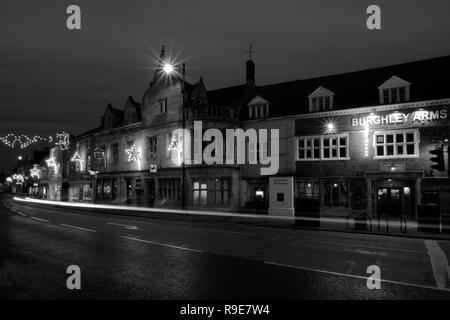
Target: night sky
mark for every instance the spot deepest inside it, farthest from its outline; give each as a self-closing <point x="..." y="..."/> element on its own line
<point x="53" y="79"/>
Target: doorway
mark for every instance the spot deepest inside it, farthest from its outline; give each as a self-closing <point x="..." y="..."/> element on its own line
<point x="151" y="193"/>
<point x="390" y="201"/>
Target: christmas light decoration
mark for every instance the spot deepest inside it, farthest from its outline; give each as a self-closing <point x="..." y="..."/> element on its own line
<point x="35" y="172"/>
<point x="51" y="163"/>
<point x="133" y="154"/>
<point x="99" y="153"/>
<point x="23" y="141"/>
<point x="17" y="178"/>
<point x="9" y="180"/>
<point x="62" y="140"/>
<point x="76" y="157"/>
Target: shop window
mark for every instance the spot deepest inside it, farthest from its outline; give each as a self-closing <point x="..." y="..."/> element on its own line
<point x="307" y="190"/>
<point x="200" y="192"/>
<point x="169" y="189"/>
<point x="329" y="147"/>
<point x="259" y="194"/>
<point x="221" y="191"/>
<point x="107" y="189"/>
<point x="396" y="144"/>
<point x="115" y="189"/>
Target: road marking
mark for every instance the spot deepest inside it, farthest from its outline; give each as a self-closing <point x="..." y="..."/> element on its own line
<point x="20" y="213"/>
<point x="39" y="219"/>
<point x="126" y="226"/>
<point x="355" y="276"/>
<point x="162" y="244"/>
<point x="439" y="262"/>
<point x="75" y="227"/>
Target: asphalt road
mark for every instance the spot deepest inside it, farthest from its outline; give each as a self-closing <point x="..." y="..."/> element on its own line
<point x="152" y="258"/>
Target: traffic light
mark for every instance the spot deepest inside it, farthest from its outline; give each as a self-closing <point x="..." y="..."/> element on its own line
<point x="438" y="159"/>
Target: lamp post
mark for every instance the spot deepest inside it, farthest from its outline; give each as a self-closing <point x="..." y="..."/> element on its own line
<point x="169" y="69"/>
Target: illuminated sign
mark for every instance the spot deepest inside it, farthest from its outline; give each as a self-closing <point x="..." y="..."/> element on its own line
<point x="419" y="116"/>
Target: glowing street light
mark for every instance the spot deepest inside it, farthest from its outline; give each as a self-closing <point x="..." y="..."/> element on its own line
<point x="168" y="68"/>
<point x="19" y="158"/>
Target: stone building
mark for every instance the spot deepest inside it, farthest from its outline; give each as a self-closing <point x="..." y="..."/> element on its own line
<point x="359" y="139"/>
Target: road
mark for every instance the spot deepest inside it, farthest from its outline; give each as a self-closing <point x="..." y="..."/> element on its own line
<point x="122" y="257"/>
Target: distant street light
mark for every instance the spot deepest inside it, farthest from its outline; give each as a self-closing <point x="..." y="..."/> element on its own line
<point x="19" y="158"/>
<point x="169" y="69"/>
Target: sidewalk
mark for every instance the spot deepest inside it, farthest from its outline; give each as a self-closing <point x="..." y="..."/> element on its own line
<point x="336" y="224"/>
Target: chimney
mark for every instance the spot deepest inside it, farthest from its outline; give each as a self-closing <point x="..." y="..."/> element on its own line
<point x="250" y="72"/>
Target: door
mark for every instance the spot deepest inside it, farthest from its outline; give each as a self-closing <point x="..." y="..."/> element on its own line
<point x="151" y="193"/>
<point x="390" y="202"/>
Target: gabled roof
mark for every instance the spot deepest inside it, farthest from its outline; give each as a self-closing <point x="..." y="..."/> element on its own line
<point x="320" y="92"/>
<point x="135" y="105"/>
<point x="394" y="82"/>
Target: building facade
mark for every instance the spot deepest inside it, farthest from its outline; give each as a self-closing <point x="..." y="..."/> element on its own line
<point x="358" y="140"/>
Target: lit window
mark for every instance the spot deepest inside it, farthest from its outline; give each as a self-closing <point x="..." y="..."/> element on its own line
<point x="329" y="147"/>
<point x="396" y="144"/>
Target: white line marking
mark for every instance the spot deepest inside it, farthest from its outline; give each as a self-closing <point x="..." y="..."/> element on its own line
<point x="439" y="262"/>
<point x="75" y="227"/>
<point x="126" y="226"/>
<point x="162" y="244"/>
<point x="20" y="213"/>
<point x="39" y="219"/>
<point x="355" y="276"/>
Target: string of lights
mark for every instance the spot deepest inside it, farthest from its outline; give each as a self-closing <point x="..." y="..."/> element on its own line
<point x="22" y="141"/>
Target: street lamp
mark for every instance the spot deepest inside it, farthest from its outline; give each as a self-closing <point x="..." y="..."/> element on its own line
<point x="19" y="158"/>
<point x="169" y="69"/>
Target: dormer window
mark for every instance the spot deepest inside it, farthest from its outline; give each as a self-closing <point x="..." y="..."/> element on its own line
<point x="321" y="99"/>
<point x="395" y="90"/>
<point x="258" y="108"/>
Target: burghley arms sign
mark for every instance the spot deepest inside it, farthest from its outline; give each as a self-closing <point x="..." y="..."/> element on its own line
<point x="415" y="117"/>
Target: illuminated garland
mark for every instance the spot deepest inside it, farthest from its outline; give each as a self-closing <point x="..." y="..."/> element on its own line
<point x="133" y="154"/>
<point x="12" y="140"/>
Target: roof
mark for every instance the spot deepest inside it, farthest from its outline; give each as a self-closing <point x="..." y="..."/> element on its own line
<point x="428" y="80"/>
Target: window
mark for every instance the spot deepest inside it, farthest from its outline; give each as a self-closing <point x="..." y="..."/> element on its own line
<point x="307" y="190"/>
<point x="152" y="143"/>
<point x="115" y="153"/>
<point x="169" y="189"/>
<point x="258" y="111"/>
<point x="396" y="143"/>
<point x="321" y="103"/>
<point x="200" y="192"/>
<point x="394" y="95"/>
<point x="162" y="104"/>
<point x="221" y="191"/>
<point x="330" y="147"/>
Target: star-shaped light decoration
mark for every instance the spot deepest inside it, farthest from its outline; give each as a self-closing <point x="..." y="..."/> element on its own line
<point x="133" y="154"/>
<point x="35" y="172"/>
<point x="51" y="163"/>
